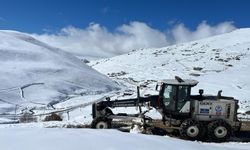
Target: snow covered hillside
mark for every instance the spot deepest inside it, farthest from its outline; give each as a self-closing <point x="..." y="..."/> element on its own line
<point x="33" y="73"/>
<point x="219" y="63"/>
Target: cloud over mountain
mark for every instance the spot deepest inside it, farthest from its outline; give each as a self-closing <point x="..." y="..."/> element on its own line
<point x="97" y="41"/>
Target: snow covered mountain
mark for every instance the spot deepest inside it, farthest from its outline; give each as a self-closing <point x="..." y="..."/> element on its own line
<point x="220" y="63"/>
<point x="34" y="73"/>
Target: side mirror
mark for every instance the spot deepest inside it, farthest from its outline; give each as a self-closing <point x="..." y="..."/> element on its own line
<point x="156" y="88"/>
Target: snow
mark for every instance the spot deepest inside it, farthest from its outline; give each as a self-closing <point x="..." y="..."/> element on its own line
<point x="34" y="74"/>
<point x="67" y="139"/>
<point x="220" y="62"/>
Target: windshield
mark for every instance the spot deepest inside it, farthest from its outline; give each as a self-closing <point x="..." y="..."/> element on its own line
<point x="168" y="97"/>
<point x="182" y="96"/>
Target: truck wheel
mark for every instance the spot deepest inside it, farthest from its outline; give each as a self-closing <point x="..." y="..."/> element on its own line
<point x="191" y="130"/>
<point x="101" y="123"/>
<point x="219" y="131"/>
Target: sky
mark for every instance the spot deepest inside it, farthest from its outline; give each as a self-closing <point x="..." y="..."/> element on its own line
<point x="138" y="23"/>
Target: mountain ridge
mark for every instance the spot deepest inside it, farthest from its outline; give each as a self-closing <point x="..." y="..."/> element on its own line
<point x="42" y="73"/>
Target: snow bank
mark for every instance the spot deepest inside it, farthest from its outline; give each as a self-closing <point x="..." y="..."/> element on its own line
<point x="74" y="139"/>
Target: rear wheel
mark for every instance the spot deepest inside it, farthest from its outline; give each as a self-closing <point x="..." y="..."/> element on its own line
<point x="192" y="130"/>
<point x="219" y="131"/>
<point x="101" y="123"/>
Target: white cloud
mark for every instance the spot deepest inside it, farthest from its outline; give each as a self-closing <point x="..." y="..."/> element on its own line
<point x="181" y="33"/>
<point x="97" y="41"/>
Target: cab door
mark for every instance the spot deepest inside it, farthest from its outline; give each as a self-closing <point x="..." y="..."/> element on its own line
<point x="183" y="96"/>
<point x="169" y="97"/>
<point x="176" y="97"/>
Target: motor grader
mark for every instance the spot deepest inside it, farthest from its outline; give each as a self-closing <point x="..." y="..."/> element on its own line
<point x="195" y="117"/>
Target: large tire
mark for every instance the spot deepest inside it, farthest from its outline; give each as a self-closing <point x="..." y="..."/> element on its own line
<point x="219" y="131"/>
<point x="192" y="130"/>
<point x="101" y="123"/>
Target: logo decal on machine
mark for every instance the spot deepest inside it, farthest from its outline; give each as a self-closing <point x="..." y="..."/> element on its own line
<point x="204" y="111"/>
<point x="218" y="109"/>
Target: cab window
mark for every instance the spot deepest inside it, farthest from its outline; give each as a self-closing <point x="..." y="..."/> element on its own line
<point x="169" y="97"/>
<point x="183" y="96"/>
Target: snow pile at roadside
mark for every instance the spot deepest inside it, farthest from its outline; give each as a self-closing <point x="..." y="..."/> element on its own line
<point x="67" y="139"/>
<point x="36" y="74"/>
<point x="219" y="63"/>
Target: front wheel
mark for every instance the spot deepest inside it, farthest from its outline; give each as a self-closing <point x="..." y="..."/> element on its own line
<point x="192" y="130"/>
<point x="101" y="123"/>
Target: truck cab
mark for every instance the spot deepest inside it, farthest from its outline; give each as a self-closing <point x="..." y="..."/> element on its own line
<point x="174" y="96"/>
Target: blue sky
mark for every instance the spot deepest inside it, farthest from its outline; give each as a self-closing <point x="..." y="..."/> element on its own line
<point x="105" y="28"/>
<point x="38" y="16"/>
